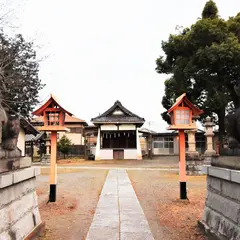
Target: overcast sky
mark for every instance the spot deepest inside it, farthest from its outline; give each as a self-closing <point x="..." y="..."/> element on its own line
<point x="100" y="51"/>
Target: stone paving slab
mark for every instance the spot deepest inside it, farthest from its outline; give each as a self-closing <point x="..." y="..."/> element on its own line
<point x="119" y="214"/>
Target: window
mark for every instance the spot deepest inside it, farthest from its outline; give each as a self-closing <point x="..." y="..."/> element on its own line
<point x="159" y="139"/>
<point x="166" y="145"/>
<point x="183" y="116"/>
<point x="163" y="142"/>
<point x="76" y="130"/>
<point x="158" y="145"/>
<point x="52" y="118"/>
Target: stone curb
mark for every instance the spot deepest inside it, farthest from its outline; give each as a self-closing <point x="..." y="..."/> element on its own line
<point x="224" y="173"/>
<point x="10" y="178"/>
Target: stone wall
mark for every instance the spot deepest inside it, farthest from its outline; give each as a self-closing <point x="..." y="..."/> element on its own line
<point x="197" y="166"/>
<point x="19" y="212"/>
<point x="221" y="218"/>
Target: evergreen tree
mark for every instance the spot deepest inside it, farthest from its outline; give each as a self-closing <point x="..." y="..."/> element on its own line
<point x="210" y="10"/>
<point x="64" y="145"/>
<point x="19" y="80"/>
<point x="204" y="61"/>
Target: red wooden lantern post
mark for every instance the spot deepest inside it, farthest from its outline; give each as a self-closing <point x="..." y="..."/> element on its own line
<point x="182" y="115"/>
<point x="54" y="120"/>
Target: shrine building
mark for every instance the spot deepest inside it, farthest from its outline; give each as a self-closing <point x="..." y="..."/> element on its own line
<point x="118" y="136"/>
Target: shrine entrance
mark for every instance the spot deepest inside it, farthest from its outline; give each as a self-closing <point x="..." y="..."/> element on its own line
<point x="118" y="134"/>
<point x="118" y="154"/>
<point x="118" y="140"/>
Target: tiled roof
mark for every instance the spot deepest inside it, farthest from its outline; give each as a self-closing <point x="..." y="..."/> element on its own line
<point x="68" y="119"/>
<point x="118" y="119"/>
<point x="128" y="116"/>
<point x="146" y="130"/>
<point x="31" y="137"/>
<point x="28" y="127"/>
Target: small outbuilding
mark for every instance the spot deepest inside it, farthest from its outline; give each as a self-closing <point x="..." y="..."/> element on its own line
<point x="118" y="134"/>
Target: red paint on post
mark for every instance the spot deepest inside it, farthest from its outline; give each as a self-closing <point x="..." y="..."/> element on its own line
<point x="182" y="159"/>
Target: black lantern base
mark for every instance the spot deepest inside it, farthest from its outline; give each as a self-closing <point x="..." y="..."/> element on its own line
<point x="183" y="190"/>
<point x="52" y="194"/>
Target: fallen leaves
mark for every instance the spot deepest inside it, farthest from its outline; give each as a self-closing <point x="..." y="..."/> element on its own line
<point x="63" y="205"/>
<point x="169" y="217"/>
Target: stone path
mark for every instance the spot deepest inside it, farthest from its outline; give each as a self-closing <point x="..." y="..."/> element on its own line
<point x="119" y="215"/>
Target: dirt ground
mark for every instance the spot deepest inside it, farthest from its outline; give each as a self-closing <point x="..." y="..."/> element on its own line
<point x="157" y="162"/>
<point x="168" y="217"/>
<point x="77" y="197"/>
<point x="78" y="191"/>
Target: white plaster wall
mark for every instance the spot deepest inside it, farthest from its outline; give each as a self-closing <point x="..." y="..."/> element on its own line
<point x="157" y="151"/>
<point x="21" y="141"/>
<point x="106" y="154"/>
<point x="76" y="138"/>
<point x="109" y="127"/>
<point x="130" y="153"/>
<point x="127" y="127"/>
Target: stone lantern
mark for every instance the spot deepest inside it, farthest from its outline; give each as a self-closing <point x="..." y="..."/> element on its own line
<point x="209" y="135"/>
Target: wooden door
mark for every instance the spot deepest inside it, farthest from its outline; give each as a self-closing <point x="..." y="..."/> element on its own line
<point x="118" y="154"/>
<point x="115" y="155"/>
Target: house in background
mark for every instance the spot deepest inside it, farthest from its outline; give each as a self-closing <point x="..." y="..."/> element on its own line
<point x="167" y="143"/>
<point x="26" y="128"/>
<point x="91" y="133"/>
<point x="35" y="145"/>
<point x="76" y="134"/>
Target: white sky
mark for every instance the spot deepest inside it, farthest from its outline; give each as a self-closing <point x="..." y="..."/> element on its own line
<point x="100" y="51"/>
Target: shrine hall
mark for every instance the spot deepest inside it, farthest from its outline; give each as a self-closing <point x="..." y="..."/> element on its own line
<point x="118" y="134"/>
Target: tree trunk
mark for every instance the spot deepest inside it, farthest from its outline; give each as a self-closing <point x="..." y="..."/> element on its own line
<point x="64" y="156"/>
<point x="221" y="124"/>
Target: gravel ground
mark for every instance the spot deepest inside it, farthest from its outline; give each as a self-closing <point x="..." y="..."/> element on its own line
<point x="77" y="197"/>
<point x="78" y="192"/>
<point x="157" y="162"/>
<point x="168" y="217"/>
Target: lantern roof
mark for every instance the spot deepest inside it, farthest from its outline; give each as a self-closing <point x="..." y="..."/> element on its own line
<point x="49" y="102"/>
<point x="183" y="99"/>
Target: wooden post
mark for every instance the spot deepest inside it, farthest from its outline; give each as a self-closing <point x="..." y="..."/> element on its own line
<point x="53" y="167"/>
<point x="32" y="150"/>
<point x="182" y="165"/>
<point x="139" y="151"/>
<point x="150" y="150"/>
<point x="97" y="153"/>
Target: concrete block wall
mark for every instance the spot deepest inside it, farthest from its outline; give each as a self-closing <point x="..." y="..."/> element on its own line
<point x="221" y="217"/>
<point x="194" y="168"/>
<point x="19" y="211"/>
